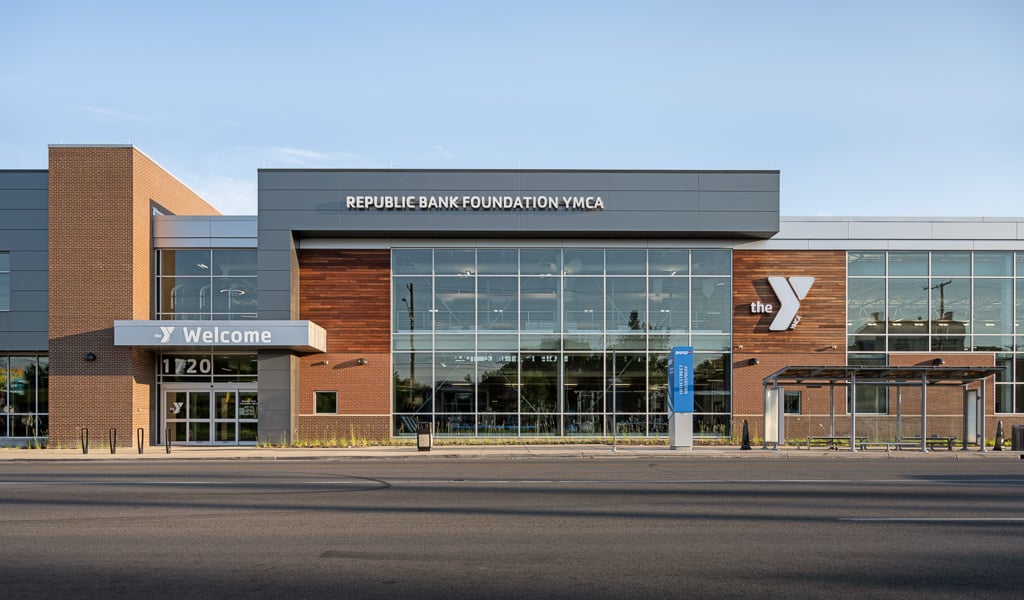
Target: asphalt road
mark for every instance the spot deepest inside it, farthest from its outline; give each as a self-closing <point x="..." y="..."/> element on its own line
<point x="500" y="528"/>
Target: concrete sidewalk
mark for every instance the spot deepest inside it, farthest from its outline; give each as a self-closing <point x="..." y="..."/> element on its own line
<point x="512" y="452"/>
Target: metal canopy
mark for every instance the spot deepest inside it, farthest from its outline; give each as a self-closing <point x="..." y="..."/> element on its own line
<point x="840" y="374"/>
<point x="850" y="375"/>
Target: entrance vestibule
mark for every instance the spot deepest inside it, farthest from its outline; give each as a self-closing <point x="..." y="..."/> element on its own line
<point x="211" y="415"/>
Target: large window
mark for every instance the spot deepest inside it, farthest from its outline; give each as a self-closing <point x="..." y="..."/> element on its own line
<point x="5" y="281"/>
<point x="204" y="284"/>
<point x="559" y="342"/>
<point x="939" y="301"/>
<point x="24" y="397"/>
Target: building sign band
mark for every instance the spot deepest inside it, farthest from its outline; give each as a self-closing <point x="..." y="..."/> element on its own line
<point x="456" y="202"/>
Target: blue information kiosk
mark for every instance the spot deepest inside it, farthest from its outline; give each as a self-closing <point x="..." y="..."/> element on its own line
<point x="680" y="398"/>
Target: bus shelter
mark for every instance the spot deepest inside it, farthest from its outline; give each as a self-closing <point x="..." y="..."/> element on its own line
<point x="849" y="376"/>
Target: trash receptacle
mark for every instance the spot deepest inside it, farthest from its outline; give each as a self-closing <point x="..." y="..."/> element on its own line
<point x="423" y="437"/>
<point x="1017" y="437"/>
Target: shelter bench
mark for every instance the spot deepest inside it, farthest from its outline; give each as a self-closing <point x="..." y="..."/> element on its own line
<point x="833" y="441"/>
<point x="932" y="440"/>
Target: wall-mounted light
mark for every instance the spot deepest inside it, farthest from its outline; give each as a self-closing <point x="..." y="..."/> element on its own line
<point x="322" y="362"/>
<point x="89" y="357"/>
<point x="938" y="362"/>
<point x="752" y="361"/>
<point x="361" y="361"/>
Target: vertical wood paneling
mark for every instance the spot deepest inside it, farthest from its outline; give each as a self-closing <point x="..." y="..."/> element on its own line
<point x="822" y="314"/>
<point x="347" y="292"/>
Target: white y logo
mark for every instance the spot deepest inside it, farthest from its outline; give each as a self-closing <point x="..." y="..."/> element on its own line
<point x="790" y="292"/>
<point x="166" y="333"/>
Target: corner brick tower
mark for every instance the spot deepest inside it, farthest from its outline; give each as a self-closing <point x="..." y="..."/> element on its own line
<point x="101" y="201"/>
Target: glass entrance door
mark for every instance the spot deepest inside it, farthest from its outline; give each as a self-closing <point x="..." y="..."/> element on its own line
<point x="218" y="416"/>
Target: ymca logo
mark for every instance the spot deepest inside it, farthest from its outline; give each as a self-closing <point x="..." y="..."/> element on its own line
<point x="790" y="291"/>
<point x="165" y="334"/>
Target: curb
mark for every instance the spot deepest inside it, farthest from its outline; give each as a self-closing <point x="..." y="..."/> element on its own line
<point x="487" y="452"/>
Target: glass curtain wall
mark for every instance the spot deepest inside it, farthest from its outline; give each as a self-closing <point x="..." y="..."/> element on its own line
<point x="205" y="284"/>
<point x="939" y="301"/>
<point x="553" y="342"/>
<point x="24" y="396"/>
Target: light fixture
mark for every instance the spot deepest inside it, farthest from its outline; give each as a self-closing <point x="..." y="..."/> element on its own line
<point x="89" y="357"/>
<point x="938" y="361"/>
<point x="752" y="361"/>
<point x="322" y="362"/>
<point x="361" y="361"/>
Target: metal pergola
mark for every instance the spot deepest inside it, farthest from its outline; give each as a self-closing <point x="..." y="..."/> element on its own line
<point x="899" y="377"/>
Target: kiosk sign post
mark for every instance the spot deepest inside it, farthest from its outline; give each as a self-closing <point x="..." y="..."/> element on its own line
<point x="680" y="394"/>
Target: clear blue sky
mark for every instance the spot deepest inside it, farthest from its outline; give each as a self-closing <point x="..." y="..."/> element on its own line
<point x="888" y="107"/>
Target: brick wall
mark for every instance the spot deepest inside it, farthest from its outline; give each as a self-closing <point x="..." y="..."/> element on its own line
<point x="347" y="292"/>
<point x="100" y="270"/>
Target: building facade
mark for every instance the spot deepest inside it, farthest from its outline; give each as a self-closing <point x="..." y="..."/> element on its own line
<point x="492" y="304"/>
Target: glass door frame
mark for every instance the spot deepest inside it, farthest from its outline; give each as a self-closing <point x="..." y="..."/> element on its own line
<point x="245" y="400"/>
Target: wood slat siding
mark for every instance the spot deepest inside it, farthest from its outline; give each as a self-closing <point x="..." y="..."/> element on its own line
<point x="347" y="292"/>
<point x="823" y="312"/>
<point x="822" y="325"/>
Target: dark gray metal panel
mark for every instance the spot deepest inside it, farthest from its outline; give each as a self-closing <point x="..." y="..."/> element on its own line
<point x="739" y="182"/>
<point x="275" y="260"/>
<point x="31" y="322"/>
<point x="640" y="200"/>
<point x="29" y="281"/>
<point x="290" y="201"/>
<point x="24" y="235"/>
<point x="271" y="239"/>
<point x="274" y="280"/>
<point x="21" y="341"/>
<point x="302" y="220"/>
<point x="32" y="260"/>
<point x="24" y="219"/>
<point x="567" y="181"/>
<point x="751" y="201"/>
<point x="463" y="180"/>
<point x="278" y="396"/>
<point x="28" y="301"/>
<point x="653" y="181"/>
<point x="275" y="304"/>
<point x="386" y="180"/>
<point x="714" y="221"/>
<point x="572" y="221"/>
<point x="24" y="180"/>
<point x="28" y="239"/>
<point x="298" y="180"/>
<point x="660" y="204"/>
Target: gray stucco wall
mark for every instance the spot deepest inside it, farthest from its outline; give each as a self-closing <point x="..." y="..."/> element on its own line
<point x="23" y="233"/>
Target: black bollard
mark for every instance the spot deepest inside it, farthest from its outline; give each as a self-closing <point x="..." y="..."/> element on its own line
<point x="83" y="436"/>
<point x="746" y="436"/>
<point x="140" y="433"/>
<point x="112" y="436"/>
<point x="999" y="437"/>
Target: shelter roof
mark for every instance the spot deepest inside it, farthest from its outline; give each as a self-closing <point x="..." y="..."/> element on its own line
<point x="844" y="374"/>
